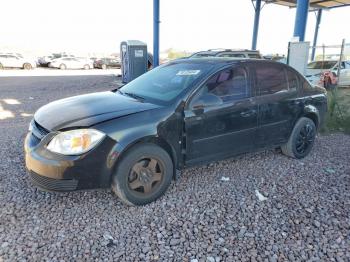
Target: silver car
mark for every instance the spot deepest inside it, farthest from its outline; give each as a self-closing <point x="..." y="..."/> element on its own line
<point x="71" y="63"/>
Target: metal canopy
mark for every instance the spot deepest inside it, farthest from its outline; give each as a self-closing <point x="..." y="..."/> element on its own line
<point x="314" y="4"/>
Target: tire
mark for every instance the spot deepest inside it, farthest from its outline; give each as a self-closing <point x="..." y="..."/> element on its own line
<point x="301" y="140"/>
<point x="1" y="67"/>
<point x="130" y="181"/>
<point x="27" y="66"/>
<point x="63" y="67"/>
<point x="86" y="67"/>
<point x="104" y="67"/>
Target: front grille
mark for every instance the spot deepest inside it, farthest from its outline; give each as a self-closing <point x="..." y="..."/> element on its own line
<point x="53" y="184"/>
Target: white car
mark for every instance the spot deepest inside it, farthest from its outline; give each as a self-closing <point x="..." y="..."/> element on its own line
<point x="315" y="69"/>
<point x="16" y="61"/>
<point x="71" y="63"/>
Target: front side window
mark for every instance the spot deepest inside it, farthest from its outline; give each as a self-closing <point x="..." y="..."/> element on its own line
<point x="229" y="85"/>
<point x="271" y="79"/>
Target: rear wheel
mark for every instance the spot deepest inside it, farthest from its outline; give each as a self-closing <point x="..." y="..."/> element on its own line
<point x="27" y="66"/>
<point x="63" y="67"/>
<point x="143" y="175"/>
<point x="301" y="140"/>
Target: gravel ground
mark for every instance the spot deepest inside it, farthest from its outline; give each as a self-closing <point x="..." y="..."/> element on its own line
<point x="257" y="207"/>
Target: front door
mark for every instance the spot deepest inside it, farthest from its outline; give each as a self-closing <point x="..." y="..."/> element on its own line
<point x="221" y="118"/>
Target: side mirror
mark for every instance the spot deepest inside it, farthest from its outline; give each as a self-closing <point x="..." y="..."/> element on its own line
<point x="206" y="100"/>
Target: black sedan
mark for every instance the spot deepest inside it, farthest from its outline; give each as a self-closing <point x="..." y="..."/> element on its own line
<point x="136" y="138"/>
<point x="105" y="63"/>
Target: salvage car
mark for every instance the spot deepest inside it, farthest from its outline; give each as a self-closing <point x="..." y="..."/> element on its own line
<point x="136" y="138"/>
<point x="325" y="72"/>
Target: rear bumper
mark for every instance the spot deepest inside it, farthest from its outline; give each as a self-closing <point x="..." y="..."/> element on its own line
<point x="54" y="172"/>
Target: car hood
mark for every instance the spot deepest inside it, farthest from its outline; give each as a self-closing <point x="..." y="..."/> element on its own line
<point x="88" y="110"/>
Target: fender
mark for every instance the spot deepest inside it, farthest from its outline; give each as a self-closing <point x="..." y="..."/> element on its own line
<point x="312" y="112"/>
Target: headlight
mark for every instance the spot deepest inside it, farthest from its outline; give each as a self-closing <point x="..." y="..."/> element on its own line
<point x="75" y="142"/>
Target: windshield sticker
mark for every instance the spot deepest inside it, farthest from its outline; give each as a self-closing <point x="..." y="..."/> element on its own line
<point x="188" y="72"/>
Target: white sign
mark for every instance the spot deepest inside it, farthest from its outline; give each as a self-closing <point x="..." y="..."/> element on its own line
<point x="188" y="72"/>
<point x="138" y="53"/>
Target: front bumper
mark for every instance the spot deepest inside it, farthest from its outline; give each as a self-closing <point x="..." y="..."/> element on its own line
<point x="55" y="172"/>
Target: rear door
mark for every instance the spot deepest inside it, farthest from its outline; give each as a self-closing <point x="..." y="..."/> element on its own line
<point x="218" y="130"/>
<point x="277" y="103"/>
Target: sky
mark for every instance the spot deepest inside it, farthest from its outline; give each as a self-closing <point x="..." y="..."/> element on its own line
<point x="88" y="26"/>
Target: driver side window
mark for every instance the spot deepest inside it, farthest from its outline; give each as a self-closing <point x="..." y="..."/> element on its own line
<point x="229" y="85"/>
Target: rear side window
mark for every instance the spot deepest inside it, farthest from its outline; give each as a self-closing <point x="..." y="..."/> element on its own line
<point x="271" y="79"/>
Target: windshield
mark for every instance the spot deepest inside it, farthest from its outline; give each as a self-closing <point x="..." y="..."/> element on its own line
<point x="166" y="82"/>
<point x="321" y="65"/>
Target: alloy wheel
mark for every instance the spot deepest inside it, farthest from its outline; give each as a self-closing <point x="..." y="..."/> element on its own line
<point x="305" y="139"/>
<point x="145" y="176"/>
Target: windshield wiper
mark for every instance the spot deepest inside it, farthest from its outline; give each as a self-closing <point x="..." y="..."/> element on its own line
<point x="134" y="96"/>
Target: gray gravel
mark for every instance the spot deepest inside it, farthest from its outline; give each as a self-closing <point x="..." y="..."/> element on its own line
<point x="302" y="214"/>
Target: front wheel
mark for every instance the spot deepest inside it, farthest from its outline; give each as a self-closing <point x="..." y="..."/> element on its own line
<point x="104" y="66"/>
<point x="301" y="140"/>
<point x="86" y="67"/>
<point x="63" y="67"/>
<point x="142" y="175"/>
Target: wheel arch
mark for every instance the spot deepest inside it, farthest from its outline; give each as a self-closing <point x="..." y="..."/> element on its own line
<point x="312" y="112"/>
<point x="162" y="143"/>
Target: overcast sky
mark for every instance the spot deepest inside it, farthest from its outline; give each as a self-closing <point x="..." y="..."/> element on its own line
<point x="100" y="26"/>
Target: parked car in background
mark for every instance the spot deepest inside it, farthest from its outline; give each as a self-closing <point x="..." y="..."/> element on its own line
<point x="325" y="72"/>
<point x="276" y="57"/>
<point x="183" y="113"/>
<point x="16" y="61"/>
<point x="107" y="62"/>
<point x="240" y="53"/>
<point x="46" y="60"/>
<point x="71" y="63"/>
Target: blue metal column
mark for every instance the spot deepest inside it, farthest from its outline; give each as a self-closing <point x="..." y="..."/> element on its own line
<point x="301" y="19"/>
<point x="156" y="33"/>
<point x="318" y="21"/>
<point x="256" y="23"/>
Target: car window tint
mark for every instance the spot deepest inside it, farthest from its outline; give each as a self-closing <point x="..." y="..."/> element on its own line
<point x="292" y="80"/>
<point x="229" y="85"/>
<point x="271" y="79"/>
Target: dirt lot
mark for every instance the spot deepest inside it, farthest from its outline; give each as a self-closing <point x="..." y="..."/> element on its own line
<point x="202" y="217"/>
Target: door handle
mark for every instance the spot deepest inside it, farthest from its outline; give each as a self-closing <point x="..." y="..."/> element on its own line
<point x="248" y="113"/>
